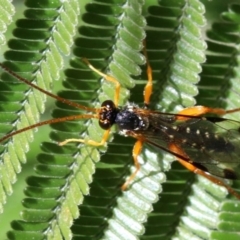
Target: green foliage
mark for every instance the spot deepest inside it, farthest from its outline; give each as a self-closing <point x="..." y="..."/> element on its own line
<point x="73" y="191"/>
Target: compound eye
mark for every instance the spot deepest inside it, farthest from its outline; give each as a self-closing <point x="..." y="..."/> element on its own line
<point x="105" y="124"/>
<point x="107" y="114"/>
<point x="108" y="104"/>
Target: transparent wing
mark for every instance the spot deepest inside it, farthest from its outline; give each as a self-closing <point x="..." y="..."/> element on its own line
<point x="211" y="144"/>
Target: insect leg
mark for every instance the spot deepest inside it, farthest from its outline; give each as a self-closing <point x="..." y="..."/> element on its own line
<point x="116" y="100"/>
<point x="201" y="110"/>
<point x="136" y="152"/>
<point x="148" y="88"/>
<point x="198" y="171"/>
<point x="108" y="78"/>
<point x="198" y="111"/>
<point x="88" y="142"/>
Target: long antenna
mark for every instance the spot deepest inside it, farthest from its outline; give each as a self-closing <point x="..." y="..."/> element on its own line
<point x="54" y="120"/>
<point x="63" y="100"/>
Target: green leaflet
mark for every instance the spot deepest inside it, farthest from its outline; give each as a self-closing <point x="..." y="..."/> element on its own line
<point x="219" y="81"/>
<point x="7" y="11"/>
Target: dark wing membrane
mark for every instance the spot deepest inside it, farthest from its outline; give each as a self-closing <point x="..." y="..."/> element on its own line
<point x="213" y="144"/>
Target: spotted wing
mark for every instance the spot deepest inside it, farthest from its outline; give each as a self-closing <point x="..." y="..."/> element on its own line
<point x="211" y="144"/>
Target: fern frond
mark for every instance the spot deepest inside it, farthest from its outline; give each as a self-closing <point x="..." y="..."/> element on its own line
<point x="39" y="48"/>
<point x="32" y="54"/>
<point x="177" y="48"/>
<point x="208" y="209"/>
<point x="75" y="174"/>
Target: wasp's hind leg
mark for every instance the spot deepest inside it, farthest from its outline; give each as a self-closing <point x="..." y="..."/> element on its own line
<point x="201" y="110"/>
<point x="198" y="171"/>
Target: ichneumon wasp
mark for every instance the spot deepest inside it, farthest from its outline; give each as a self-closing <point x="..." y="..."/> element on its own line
<point x="208" y="146"/>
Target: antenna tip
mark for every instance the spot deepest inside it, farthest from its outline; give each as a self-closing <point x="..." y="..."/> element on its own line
<point x="86" y="61"/>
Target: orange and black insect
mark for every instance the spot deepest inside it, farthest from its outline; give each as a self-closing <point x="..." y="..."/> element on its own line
<point x="208" y="146"/>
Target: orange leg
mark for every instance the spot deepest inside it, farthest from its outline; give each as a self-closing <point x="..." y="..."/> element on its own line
<point x="198" y="111"/>
<point x="196" y="170"/>
<point x="201" y="110"/>
<point x="136" y="152"/>
<point x="149" y="86"/>
<point x="108" y="78"/>
<point x="116" y="100"/>
<point x="88" y="142"/>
